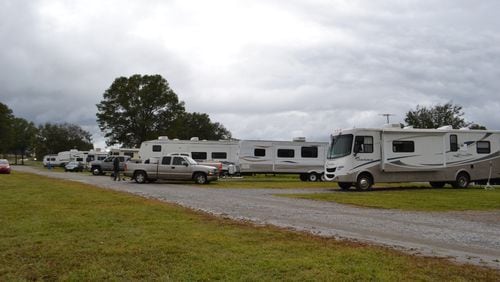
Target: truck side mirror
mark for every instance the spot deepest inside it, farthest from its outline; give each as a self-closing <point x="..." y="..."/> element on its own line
<point x="185" y="163"/>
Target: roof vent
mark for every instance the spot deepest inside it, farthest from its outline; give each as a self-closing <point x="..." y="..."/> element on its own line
<point x="162" y="137"/>
<point x="299" y="139"/>
<point x="195" y="139"/>
<point x="392" y="125"/>
<point x="446" y="127"/>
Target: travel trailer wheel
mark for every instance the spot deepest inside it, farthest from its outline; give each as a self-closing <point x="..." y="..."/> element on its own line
<point x="140" y="177"/>
<point x="344" y="185"/>
<point x="364" y="182"/>
<point x="435" y="184"/>
<point x="313" y="177"/>
<point x="200" y="178"/>
<point x="462" y="180"/>
<point x="303" y="177"/>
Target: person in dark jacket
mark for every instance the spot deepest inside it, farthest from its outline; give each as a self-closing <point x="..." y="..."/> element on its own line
<point x="116" y="168"/>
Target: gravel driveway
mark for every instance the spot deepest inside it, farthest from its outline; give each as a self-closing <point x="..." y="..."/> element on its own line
<point x="470" y="237"/>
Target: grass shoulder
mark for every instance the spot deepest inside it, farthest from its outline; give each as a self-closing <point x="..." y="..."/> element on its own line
<point x="53" y="229"/>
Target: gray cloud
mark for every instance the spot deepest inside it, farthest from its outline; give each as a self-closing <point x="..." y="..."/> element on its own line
<point x="265" y="69"/>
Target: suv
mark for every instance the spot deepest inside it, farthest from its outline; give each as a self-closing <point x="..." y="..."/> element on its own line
<point x="106" y="165"/>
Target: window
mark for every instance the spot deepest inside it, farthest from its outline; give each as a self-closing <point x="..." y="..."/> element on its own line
<point x="309" y="152"/>
<point x="403" y="146"/>
<point x="199" y="155"/>
<point x="178" y="161"/>
<point x="483" y="147"/>
<point x="79" y="159"/>
<point x="166" y="160"/>
<point x="219" y="155"/>
<point x="286" y="153"/>
<point x="363" y="144"/>
<point x="453" y="143"/>
<point x="259" y="152"/>
<point x="156" y="148"/>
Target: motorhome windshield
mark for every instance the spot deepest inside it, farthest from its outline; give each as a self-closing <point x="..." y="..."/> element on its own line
<point x="340" y="146"/>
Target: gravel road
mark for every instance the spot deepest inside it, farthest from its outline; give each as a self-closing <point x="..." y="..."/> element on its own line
<point x="466" y="237"/>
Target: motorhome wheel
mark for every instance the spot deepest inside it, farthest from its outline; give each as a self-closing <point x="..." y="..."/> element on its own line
<point x="462" y="180"/>
<point x="435" y="184"/>
<point x="364" y="182"/>
<point x="313" y="177"/>
<point x="344" y="185"/>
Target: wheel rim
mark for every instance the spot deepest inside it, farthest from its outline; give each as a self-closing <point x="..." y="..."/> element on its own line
<point x="200" y="179"/>
<point x="139" y="177"/>
<point x="313" y="177"/>
<point x="462" y="181"/>
<point x="364" y="183"/>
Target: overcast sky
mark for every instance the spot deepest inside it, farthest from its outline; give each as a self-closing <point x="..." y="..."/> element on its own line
<point x="265" y="69"/>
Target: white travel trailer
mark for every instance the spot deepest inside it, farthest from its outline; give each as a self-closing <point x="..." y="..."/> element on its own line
<point x="62" y="158"/>
<point x="287" y="157"/>
<point x="360" y="157"/>
<point x="131" y="152"/>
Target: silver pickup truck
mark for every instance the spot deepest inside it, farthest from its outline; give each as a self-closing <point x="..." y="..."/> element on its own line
<point x="101" y="167"/>
<point x="170" y="168"/>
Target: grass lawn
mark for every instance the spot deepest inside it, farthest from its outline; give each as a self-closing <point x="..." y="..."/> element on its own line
<point x="414" y="197"/>
<point x="53" y="229"/>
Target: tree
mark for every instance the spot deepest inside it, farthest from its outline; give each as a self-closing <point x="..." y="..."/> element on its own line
<point x="24" y="136"/>
<point x="437" y="116"/>
<point x="54" y="138"/>
<point x="6" y="118"/>
<point x="141" y="108"/>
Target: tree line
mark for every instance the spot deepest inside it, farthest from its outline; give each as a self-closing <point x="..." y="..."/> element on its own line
<point x="144" y="107"/>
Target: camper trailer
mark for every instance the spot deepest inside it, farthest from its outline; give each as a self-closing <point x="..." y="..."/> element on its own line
<point x="292" y="157"/>
<point x="360" y="157"/>
<point x="131" y="152"/>
<point x="64" y="157"/>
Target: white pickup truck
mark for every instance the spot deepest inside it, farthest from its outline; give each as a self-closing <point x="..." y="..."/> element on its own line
<point x="170" y="168"/>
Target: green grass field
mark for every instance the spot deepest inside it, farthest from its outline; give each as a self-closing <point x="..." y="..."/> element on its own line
<point x="59" y="230"/>
<point x="414" y="198"/>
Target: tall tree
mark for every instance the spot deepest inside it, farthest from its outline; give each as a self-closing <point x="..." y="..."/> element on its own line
<point x="437" y="116"/>
<point x="6" y="118"/>
<point x="141" y="108"/>
<point x="54" y="138"/>
<point x="24" y="136"/>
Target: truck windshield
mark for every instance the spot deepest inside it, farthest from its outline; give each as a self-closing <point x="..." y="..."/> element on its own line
<point x="191" y="161"/>
<point x="340" y="146"/>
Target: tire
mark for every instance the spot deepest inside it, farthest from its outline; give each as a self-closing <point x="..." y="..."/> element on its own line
<point x="96" y="170"/>
<point x="344" y="185"/>
<point x="313" y="177"/>
<point x="364" y="182"/>
<point x="200" y="178"/>
<point x="462" y="181"/>
<point x="437" y="184"/>
<point x="140" y="177"/>
<point x="303" y="177"/>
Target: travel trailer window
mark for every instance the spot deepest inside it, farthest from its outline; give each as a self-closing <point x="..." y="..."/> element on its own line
<point x="341" y="146"/>
<point x="166" y="160"/>
<point x="309" y="152"/>
<point x="286" y="153"/>
<point x="483" y="147"/>
<point x="219" y="155"/>
<point x="259" y="152"/>
<point x="199" y="155"/>
<point x="403" y="146"/>
<point x="363" y="144"/>
<point x="453" y="143"/>
<point x="156" y="148"/>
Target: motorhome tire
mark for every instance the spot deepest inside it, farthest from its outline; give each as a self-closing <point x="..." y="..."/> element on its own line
<point x="313" y="177"/>
<point x="96" y="171"/>
<point x="462" y="180"/>
<point x="140" y="177"/>
<point x="364" y="182"/>
<point x="303" y="177"/>
<point x="344" y="185"/>
<point x="437" y="184"/>
<point x="200" y="178"/>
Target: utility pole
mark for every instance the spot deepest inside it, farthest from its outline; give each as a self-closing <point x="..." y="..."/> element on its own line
<point x="387" y="116"/>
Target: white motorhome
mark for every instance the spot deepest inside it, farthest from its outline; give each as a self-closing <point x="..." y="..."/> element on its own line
<point x="62" y="158"/>
<point x="291" y="157"/>
<point x="362" y="156"/>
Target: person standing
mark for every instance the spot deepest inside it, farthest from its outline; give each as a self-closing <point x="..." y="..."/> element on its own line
<point x="116" y="168"/>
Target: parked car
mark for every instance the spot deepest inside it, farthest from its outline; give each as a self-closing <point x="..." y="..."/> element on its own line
<point x="74" y="166"/>
<point x="4" y="166"/>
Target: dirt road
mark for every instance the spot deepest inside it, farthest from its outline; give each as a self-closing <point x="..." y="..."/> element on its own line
<point x="469" y="237"/>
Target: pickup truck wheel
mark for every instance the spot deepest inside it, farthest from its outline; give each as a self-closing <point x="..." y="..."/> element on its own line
<point x="140" y="177"/>
<point x="96" y="171"/>
<point x="200" y="178"/>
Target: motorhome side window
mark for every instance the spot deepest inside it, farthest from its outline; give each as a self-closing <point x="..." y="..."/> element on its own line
<point x="259" y="152"/>
<point x="156" y="148"/>
<point x="483" y="147"/>
<point x="219" y="155"/>
<point x="199" y="155"/>
<point x="403" y="146"/>
<point x="363" y="144"/>
<point x="453" y="143"/>
<point x="309" y="152"/>
<point x="286" y="153"/>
